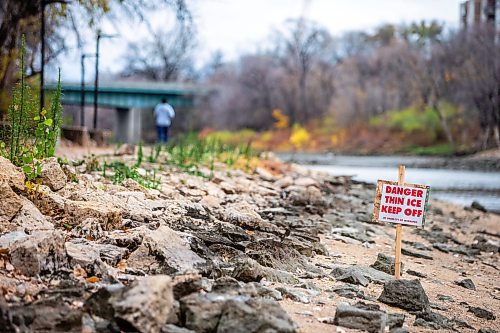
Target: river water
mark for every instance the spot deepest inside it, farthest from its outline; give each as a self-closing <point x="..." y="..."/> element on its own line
<point x="457" y="186"/>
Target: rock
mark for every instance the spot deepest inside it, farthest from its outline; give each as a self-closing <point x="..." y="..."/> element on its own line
<point x="201" y="312"/>
<point x="11" y="174"/>
<point x="354" y="233"/>
<point x="108" y="216"/>
<point x="466" y="283"/>
<point x="264" y="174"/>
<point x="415" y="273"/>
<point x="284" y="181"/>
<point x="486" y="245"/>
<point x="184" y="285"/>
<point x="415" y="254"/>
<point x="143" y="306"/>
<point x="44" y="315"/>
<point x="482" y="313"/>
<point x="243" y="215"/>
<point x="385" y="263"/>
<point x="52" y="174"/>
<point x="30" y="219"/>
<point x="361" y="319"/>
<point x="255" y="316"/>
<point x="125" y="149"/>
<point x="405" y="294"/>
<point x="169" y="328"/>
<point x="399" y="330"/>
<point x="248" y="270"/>
<point x="356" y="272"/>
<point x="476" y="205"/>
<point x="395" y="320"/>
<point x="164" y="248"/>
<point x="298" y="294"/>
<point x="349" y="291"/>
<point x="10" y="202"/>
<point x="354" y="277"/>
<point x="39" y="253"/>
<point x="445" y="298"/>
<point x="305" y="182"/>
<point x="85" y="253"/>
<point x="307" y="196"/>
<point x="233" y="314"/>
<point x="81" y="253"/>
<point x="432" y="320"/>
<point x="486" y="330"/>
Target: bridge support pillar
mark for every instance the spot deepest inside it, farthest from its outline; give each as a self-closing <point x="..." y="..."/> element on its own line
<point x="128" y="125"/>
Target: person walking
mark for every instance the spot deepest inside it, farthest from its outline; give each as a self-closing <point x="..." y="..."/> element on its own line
<point x="164" y="114"/>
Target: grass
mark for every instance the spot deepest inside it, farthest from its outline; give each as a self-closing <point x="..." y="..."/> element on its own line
<point x="190" y="153"/>
<point x="443" y="149"/>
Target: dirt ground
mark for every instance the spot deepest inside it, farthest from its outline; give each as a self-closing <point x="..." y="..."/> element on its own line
<point x="441" y="274"/>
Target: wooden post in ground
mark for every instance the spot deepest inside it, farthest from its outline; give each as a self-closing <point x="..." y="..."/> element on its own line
<point x="399" y="229"/>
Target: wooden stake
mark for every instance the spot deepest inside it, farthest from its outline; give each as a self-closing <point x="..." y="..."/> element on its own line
<point x="399" y="229"/>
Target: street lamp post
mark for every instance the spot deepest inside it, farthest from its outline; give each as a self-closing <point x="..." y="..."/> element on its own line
<point x="96" y="83"/>
<point x="82" y="89"/>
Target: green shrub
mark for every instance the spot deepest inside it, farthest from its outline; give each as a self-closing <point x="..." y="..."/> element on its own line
<point x="30" y="134"/>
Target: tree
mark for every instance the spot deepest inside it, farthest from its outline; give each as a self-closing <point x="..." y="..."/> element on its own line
<point x="298" y="48"/>
<point x="166" y="56"/>
<point x="18" y="17"/>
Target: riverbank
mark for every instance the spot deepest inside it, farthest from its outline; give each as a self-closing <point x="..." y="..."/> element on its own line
<point x="488" y="161"/>
<point x="276" y="248"/>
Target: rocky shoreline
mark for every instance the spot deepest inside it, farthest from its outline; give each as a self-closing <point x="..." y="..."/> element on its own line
<point x="278" y="249"/>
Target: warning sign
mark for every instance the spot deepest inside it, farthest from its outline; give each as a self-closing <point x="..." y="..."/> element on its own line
<point x="400" y="204"/>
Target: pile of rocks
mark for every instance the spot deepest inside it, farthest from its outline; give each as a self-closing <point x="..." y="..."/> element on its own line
<point x="78" y="253"/>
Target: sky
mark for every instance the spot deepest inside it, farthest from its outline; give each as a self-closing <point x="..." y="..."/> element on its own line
<point x="239" y="26"/>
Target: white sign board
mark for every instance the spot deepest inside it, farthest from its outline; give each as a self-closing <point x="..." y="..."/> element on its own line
<point x="401" y="204"/>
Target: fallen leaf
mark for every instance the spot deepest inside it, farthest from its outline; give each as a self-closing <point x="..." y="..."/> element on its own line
<point x="93" y="279"/>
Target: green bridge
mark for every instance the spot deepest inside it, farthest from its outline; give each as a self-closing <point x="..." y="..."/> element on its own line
<point x="133" y="102"/>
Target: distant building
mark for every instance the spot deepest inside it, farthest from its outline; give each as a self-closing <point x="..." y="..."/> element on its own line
<point x="479" y="12"/>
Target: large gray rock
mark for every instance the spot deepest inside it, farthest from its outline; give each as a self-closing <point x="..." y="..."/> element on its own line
<point x="85" y="253"/>
<point x="248" y="270"/>
<point x="78" y="211"/>
<point x="10" y="203"/>
<point x="38" y="253"/>
<point x="11" y="174"/>
<point x="243" y="215"/>
<point x="52" y="174"/>
<point x="405" y="294"/>
<point x="385" y="263"/>
<point x="432" y="320"/>
<point x="360" y="275"/>
<point x="143" y="306"/>
<point x="234" y="314"/>
<point x="30" y="219"/>
<point x="255" y="316"/>
<point x="298" y="294"/>
<point x="361" y="319"/>
<point x="164" y="249"/>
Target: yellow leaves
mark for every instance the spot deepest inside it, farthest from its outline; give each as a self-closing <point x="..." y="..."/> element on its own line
<point x="334" y="139"/>
<point x="93" y="279"/>
<point x="33" y="189"/>
<point x="299" y="137"/>
<point x="282" y="120"/>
